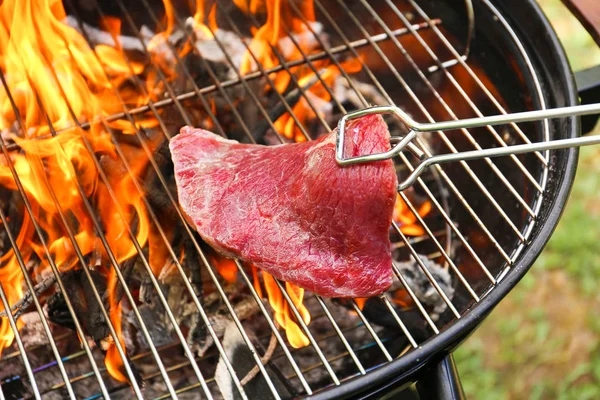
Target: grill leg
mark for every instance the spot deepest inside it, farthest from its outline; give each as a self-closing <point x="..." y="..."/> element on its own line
<point x="441" y="382"/>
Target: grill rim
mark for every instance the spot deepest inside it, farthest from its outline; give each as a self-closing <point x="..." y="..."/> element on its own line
<point x="562" y="92"/>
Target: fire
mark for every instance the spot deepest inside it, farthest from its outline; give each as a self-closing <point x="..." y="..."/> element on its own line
<point x="406" y="219"/>
<point x="199" y="19"/>
<point x="226" y="267"/>
<point x="53" y="76"/>
<point x="283" y="314"/>
<point x="273" y="36"/>
<point x="56" y="78"/>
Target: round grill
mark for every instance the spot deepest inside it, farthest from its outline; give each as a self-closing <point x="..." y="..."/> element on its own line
<point x="458" y="232"/>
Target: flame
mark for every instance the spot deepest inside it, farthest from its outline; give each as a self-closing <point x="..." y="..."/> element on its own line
<point x="407" y="220"/>
<point x="200" y="27"/>
<point x="267" y="37"/>
<point x="317" y="94"/>
<point x="360" y="302"/>
<point x="283" y="314"/>
<point x="54" y="75"/>
<point x="402" y="298"/>
<point x="273" y="35"/>
<point x="226" y="267"/>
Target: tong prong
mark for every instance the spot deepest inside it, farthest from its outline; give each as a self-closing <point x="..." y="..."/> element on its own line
<point x="404" y="142"/>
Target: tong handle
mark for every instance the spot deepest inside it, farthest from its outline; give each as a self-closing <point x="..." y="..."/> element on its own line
<point x="416" y="127"/>
<point x="497" y="152"/>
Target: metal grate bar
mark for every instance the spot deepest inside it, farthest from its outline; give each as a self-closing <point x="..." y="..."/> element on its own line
<point x="13" y="326"/>
<point x="460" y="60"/>
<point x="472" y="105"/>
<point x="53" y="266"/>
<point x="428" y="116"/>
<point x="445" y="177"/>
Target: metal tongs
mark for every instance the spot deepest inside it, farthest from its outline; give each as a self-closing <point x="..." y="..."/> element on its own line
<point x="427" y="161"/>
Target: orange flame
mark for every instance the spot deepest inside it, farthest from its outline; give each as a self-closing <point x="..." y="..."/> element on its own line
<point x="283" y="314"/>
<point x="279" y="14"/>
<point x="53" y="75"/>
<point x="407" y="220"/>
<point x="199" y="18"/>
<point x="226" y="267"/>
<point x="273" y="36"/>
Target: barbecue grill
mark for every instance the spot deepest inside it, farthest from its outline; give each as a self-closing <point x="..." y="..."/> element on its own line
<point x="113" y="295"/>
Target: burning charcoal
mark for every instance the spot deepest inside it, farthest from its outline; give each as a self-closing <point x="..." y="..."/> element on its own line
<point x="422" y="287"/>
<point x="210" y="50"/>
<point x="158" y="329"/>
<point x="130" y="45"/>
<point x="84" y="304"/>
<point x="32" y="332"/>
<point x="291" y="99"/>
<point x="243" y="362"/>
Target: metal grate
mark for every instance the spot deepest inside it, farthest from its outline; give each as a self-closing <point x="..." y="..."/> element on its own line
<point x="406" y="82"/>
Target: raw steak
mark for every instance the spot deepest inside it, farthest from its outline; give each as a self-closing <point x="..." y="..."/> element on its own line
<point x="291" y="209"/>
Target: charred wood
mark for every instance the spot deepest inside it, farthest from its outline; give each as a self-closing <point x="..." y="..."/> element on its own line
<point x="22" y="305"/>
<point x="88" y="311"/>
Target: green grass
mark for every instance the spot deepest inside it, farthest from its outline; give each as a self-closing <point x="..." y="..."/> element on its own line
<point x="543" y="340"/>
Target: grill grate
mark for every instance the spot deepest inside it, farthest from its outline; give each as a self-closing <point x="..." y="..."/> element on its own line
<point x="443" y="233"/>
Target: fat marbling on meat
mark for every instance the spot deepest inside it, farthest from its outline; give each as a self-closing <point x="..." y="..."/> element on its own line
<point x="291" y="209"/>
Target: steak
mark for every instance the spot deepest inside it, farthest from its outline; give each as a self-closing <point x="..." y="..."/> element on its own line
<point x="291" y="209"/>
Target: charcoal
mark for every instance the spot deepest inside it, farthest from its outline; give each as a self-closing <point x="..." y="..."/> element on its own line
<point x="132" y="46"/>
<point x="243" y="362"/>
<point x="422" y="287"/>
<point x="84" y="304"/>
<point x="244" y="308"/>
<point x="157" y="328"/>
<point x="32" y="333"/>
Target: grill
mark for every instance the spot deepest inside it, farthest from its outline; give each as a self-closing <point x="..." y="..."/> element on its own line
<point x="462" y="230"/>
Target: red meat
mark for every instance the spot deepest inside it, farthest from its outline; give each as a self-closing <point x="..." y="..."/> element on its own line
<point x="291" y="209"/>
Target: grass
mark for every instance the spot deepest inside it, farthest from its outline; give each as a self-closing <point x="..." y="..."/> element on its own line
<point x="543" y="340"/>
